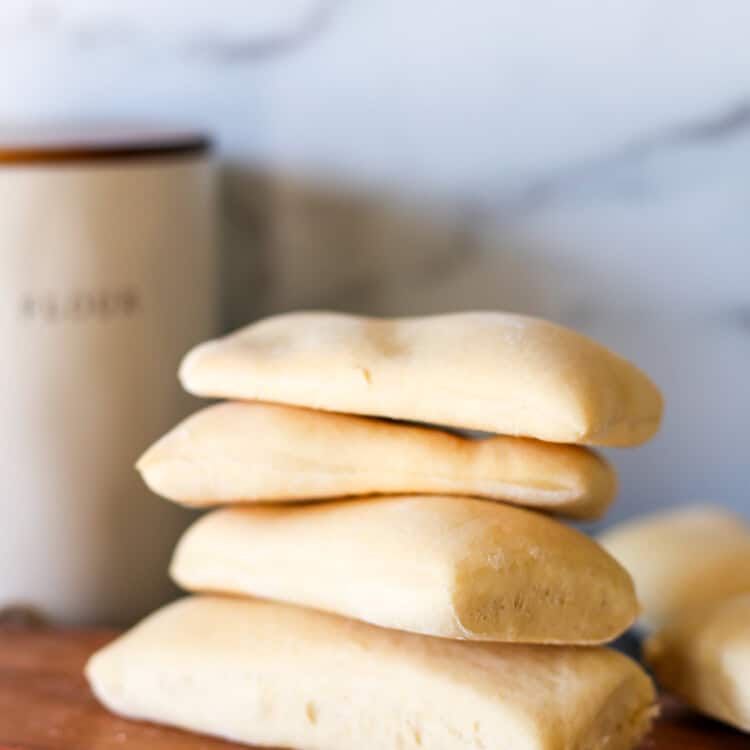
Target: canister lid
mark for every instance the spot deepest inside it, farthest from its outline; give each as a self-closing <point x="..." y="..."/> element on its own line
<point x="66" y="143"/>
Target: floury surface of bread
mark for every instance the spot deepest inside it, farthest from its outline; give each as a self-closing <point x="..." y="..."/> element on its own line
<point x="682" y="559"/>
<point x="704" y="658"/>
<point x="275" y="675"/>
<point x="445" y="566"/>
<point x="251" y="451"/>
<point x="490" y="371"/>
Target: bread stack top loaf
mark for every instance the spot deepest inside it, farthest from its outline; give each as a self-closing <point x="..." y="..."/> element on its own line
<point x="497" y="372"/>
<point x="405" y="534"/>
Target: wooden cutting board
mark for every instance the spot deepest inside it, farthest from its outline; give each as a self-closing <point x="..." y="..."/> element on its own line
<point x="45" y="704"/>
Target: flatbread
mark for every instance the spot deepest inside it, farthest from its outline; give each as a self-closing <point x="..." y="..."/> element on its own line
<point x="275" y="675"/>
<point x="255" y="452"/>
<point x="444" y="566"/>
<point x="495" y="372"/>
<point x="704" y="658"/>
<point x="683" y="559"/>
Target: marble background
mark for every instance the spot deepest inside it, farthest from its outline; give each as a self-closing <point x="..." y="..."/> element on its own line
<point x="584" y="161"/>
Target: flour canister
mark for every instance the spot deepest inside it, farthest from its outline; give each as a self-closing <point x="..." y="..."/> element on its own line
<point x="108" y="273"/>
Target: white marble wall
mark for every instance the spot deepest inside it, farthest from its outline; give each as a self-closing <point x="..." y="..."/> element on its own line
<point x="586" y="161"/>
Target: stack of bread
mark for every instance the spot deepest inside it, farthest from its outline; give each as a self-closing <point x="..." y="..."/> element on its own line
<point x="375" y="583"/>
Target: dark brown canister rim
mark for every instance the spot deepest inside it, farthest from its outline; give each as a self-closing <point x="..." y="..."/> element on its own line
<point x="70" y="144"/>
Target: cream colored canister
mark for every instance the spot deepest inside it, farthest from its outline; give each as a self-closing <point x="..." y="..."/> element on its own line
<point x="108" y="274"/>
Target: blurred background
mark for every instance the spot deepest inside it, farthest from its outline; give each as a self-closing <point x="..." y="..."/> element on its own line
<point x="585" y="162"/>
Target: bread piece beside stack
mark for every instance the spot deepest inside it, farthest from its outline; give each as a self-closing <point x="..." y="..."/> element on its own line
<point x="691" y="566"/>
<point x="682" y="559"/>
<point x="390" y="550"/>
<point x="704" y="658"/>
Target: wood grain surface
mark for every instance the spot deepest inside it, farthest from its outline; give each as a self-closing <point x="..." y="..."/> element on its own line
<point x="45" y="704"/>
